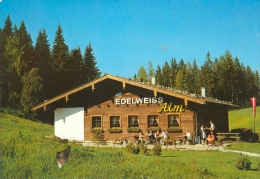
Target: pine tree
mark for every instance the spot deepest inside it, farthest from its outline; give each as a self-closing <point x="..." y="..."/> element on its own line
<point x="195" y="86"/>
<point x="91" y="70"/>
<point x="32" y="90"/>
<point x="189" y="78"/>
<point x="166" y="71"/>
<point x="75" y="67"/>
<point x="150" y="70"/>
<point x="256" y="85"/>
<point x="5" y="33"/>
<point x="180" y="81"/>
<point x="181" y="65"/>
<point x="58" y="64"/>
<point x="228" y="76"/>
<point x="158" y="75"/>
<point x="142" y="75"/>
<point x="27" y="57"/>
<point x="13" y="54"/>
<point x="42" y="60"/>
<point x="206" y="76"/>
<point x="174" y="69"/>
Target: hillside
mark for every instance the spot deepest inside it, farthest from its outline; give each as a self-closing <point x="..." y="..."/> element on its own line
<point x="26" y="154"/>
<point x="243" y="118"/>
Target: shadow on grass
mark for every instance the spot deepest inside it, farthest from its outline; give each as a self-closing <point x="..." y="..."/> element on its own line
<point x="168" y="156"/>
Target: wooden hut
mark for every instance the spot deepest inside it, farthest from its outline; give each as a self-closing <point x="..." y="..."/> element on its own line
<point x="121" y="106"/>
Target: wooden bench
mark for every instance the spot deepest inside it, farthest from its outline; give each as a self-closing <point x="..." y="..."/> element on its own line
<point x="171" y="141"/>
<point x="118" y="143"/>
<point x="226" y="136"/>
<point x="235" y="137"/>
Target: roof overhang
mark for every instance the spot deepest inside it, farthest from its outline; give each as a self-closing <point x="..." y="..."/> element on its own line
<point x="155" y="88"/>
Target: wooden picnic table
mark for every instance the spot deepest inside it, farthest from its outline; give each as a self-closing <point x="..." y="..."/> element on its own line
<point x="225" y="136"/>
<point x="182" y="138"/>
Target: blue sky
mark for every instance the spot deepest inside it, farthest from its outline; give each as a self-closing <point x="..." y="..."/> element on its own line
<point x="127" y="34"/>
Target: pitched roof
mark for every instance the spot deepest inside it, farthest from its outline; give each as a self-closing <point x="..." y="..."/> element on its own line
<point x="155" y="88"/>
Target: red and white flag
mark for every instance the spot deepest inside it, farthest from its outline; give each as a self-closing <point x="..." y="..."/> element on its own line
<point x="253" y="102"/>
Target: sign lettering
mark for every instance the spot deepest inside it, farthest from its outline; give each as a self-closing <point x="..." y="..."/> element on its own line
<point x="169" y="108"/>
<point x="145" y="100"/>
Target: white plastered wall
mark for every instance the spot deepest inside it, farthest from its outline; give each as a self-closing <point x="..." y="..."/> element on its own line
<point x="69" y="123"/>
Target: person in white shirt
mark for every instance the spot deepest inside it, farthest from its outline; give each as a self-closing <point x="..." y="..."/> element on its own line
<point x="203" y="133"/>
<point x="189" y="136"/>
<point x="164" y="136"/>
<point x="212" y="128"/>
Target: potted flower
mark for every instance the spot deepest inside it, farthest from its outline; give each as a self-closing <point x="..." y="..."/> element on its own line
<point x="114" y="130"/>
<point x="96" y="129"/>
<point x="133" y="129"/>
<point x="174" y="129"/>
<point x="154" y="129"/>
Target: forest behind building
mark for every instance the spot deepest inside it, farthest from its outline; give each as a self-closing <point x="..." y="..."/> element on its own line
<point x="32" y="73"/>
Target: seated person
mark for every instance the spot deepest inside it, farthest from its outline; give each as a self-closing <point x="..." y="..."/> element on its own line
<point x="163" y="136"/>
<point x="151" y="136"/>
<point x="189" y="136"/>
<point x="141" y="136"/>
<point x="157" y="135"/>
<point x="210" y="140"/>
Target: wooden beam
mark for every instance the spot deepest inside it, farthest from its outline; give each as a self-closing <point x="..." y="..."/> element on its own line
<point x="93" y="87"/>
<point x="185" y="102"/>
<point x="155" y="93"/>
<point x="67" y="98"/>
<point x="123" y="85"/>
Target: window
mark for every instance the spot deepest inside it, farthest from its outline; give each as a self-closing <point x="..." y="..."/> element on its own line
<point x="114" y="121"/>
<point x="173" y="120"/>
<point x="96" y="122"/>
<point x="133" y="121"/>
<point x="153" y="121"/>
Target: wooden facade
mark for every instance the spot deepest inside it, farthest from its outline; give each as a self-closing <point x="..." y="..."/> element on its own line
<point x="117" y="105"/>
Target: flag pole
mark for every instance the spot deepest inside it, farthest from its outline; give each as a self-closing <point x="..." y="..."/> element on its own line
<point x="253" y="102"/>
<point x="254" y="123"/>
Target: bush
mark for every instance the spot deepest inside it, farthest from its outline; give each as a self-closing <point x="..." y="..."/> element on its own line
<point x="157" y="149"/>
<point x="98" y="137"/>
<point x="143" y="148"/>
<point x="132" y="148"/>
<point x="243" y="162"/>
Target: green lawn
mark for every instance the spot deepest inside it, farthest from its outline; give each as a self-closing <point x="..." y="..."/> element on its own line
<point x="243" y="118"/>
<point x="25" y="154"/>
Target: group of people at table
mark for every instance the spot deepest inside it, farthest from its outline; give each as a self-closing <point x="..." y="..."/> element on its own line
<point x="161" y="137"/>
<point x="152" y="137"/>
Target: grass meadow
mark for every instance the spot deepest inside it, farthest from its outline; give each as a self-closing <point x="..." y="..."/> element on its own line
<point x="243" y="118"/>
<point x="26" y="154"/>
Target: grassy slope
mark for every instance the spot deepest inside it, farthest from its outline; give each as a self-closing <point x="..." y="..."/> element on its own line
<point x="243" y="118"/>
<point x="27" y="155"/>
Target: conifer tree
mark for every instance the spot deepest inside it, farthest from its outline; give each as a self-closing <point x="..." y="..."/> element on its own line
<point x="13" y="54"/>
<point x="174" y="69"/>
<point x="75" y="67"/>
<point x="58" y="64"/>
<point x="166" y="71"/>
<point x="158" y="75"/>
<point x="91" y="70"/>
<point x="42" y="61"/>
<point x="256" y="85"/>
<point x="27" y="57"/>
<point x="207" y="76"/>
<point x="179" y="82"/>
<point x="32" y="90"/>
<point x="150" y="70"/>
<point x="5" y="33"/>
<point x="195" y="81"/>
<point x="142" y="74"/>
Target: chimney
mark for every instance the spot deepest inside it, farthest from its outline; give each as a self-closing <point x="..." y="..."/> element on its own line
<point x="153" y="80"/>
<point x="203" y="91"/>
